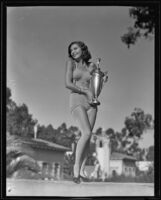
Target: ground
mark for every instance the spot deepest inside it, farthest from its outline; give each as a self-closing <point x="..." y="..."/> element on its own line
<point x="70" y="189"/>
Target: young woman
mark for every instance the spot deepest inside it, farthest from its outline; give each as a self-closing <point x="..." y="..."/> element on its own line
<point x="78" y="76"/>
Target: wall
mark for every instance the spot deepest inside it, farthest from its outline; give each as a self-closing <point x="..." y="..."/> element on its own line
<point x="129" y="168"/>
<point x="51" y="162"/>
<point x="116" y="165"/>
<point x="49" y="155"/>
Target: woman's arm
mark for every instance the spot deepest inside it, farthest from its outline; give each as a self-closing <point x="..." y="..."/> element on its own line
<point x="92" y="67"/>
<point x="69" y="78"/>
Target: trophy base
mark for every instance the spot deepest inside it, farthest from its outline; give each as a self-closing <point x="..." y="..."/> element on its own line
<point x="95" y="102"/>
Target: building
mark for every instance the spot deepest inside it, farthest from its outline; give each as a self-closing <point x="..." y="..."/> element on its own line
<point x="111" y="164"/>
<point x="122" y="164"/>
<point x="144" y="165"/>
<point x="119" y="164"/>
<point x="49" y="156"/>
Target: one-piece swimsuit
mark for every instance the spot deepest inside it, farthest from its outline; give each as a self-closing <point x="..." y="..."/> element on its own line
<point x="81" y="78"/>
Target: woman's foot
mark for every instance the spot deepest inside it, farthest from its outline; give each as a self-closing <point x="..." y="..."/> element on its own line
<point x="84" y="178"/>
<point x="76" y="179"/>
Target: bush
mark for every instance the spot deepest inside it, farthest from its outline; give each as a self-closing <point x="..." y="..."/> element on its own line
<point x="143" y="178"/>
<point x="26" y="174"/>
<point x="68" y="166"/>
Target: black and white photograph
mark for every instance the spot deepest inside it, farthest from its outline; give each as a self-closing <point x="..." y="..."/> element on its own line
<point x="80" y="101"/>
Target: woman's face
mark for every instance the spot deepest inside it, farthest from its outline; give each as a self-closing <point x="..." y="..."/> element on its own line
<point x="76" y="51"/>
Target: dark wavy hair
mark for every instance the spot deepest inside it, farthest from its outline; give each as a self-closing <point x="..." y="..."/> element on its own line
<point x="86" y="55"/>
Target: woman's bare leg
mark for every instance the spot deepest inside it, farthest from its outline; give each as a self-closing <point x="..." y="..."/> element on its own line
<point x="92" y="113"/>
<point x="81" y="116"/>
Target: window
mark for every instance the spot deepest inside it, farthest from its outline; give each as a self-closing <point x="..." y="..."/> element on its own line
<point x="114" y="173"/>
<point x="100" y="145"/>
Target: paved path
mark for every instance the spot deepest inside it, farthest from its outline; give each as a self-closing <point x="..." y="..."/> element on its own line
<point x="68" y="188"/>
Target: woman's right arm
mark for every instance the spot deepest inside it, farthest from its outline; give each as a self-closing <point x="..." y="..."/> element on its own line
<point x="69" y="78"/>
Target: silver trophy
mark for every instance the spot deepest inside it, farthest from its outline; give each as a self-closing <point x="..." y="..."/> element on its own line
<point x="97" y="83"/>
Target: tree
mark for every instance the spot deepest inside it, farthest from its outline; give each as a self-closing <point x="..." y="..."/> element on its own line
<point x="144" y="24"/>
<point x="127" y="140"/>
<point x="8" y="96"/>
<point x="19" y="120"/>
<point x="113" y="138"/>
<point x="135" y="125"/>
<point x="66" y="136"/>
<point x="72" y="133"/>
<point x="150" y="154"/>
<point x="68" y="166"/>
<point x="10" y="103"/>
<point x="138" y="122"/>
<point x="47" y="133"/>
<point x="98" y="131"/>
<point x="62" y="135"/>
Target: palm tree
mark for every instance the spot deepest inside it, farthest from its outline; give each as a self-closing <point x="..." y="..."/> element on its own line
<point x="19" y="159"/>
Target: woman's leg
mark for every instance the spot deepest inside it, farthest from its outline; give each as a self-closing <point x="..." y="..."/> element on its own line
<point x="81" y="116"/>
<point x="92" y="113"/>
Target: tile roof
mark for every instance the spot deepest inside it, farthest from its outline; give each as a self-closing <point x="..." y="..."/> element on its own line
<point x="121" y="156"/>
<point x="43" y="144"/>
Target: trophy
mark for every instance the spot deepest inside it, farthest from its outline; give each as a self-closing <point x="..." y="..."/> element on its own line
<point x="97" y="83"/>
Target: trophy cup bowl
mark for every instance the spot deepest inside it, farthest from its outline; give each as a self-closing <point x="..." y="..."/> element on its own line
<point x="96" y="83"/>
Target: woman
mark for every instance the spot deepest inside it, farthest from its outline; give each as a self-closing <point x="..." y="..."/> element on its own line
<point x="78" y="76"/>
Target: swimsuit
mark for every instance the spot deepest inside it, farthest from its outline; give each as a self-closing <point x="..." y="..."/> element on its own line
<point x="81" y="78"/>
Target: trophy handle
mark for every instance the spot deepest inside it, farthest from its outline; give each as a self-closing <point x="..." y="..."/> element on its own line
<point x="98" y="63"/>
<point x="104" y="80"/>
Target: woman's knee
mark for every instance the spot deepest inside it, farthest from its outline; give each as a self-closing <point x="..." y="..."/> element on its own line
<point x="86" y="134"/>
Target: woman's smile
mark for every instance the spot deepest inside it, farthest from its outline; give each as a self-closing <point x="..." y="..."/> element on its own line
<point x="76" y="51"/>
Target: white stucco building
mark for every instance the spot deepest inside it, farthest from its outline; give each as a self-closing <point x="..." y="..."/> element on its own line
<point x="122" y="164"/>
<point x="111" y="164"/>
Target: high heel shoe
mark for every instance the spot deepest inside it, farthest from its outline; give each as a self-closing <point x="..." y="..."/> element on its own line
<point x="84" y="179"/>
<point x="76" y="179"/>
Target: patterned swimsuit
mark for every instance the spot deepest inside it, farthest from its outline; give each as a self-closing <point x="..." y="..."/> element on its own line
<point x="81" y="78"/>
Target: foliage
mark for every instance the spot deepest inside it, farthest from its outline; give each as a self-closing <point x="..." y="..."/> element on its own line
<point x="98" y="131"/>
<point x="140" y="155"/>
<point x="127" y="141"/>
<point x="47" y="133"/>
<point x="143" y="178"/>
<point x="68" y="166"/>
<point x="19" y="157"/>
<point x="11" y="105"/>
<point x="144" y="24"/>
<point x="62" y="135"/>
<point x="150" y="154"/>
<point x="19" y="121"/>
<point x="130" y="37"/>
<point x="135" y="126"/>
<point x="145" y="154"/>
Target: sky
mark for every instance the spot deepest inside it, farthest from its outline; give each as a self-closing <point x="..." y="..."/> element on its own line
<point x="37" y="50"/>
